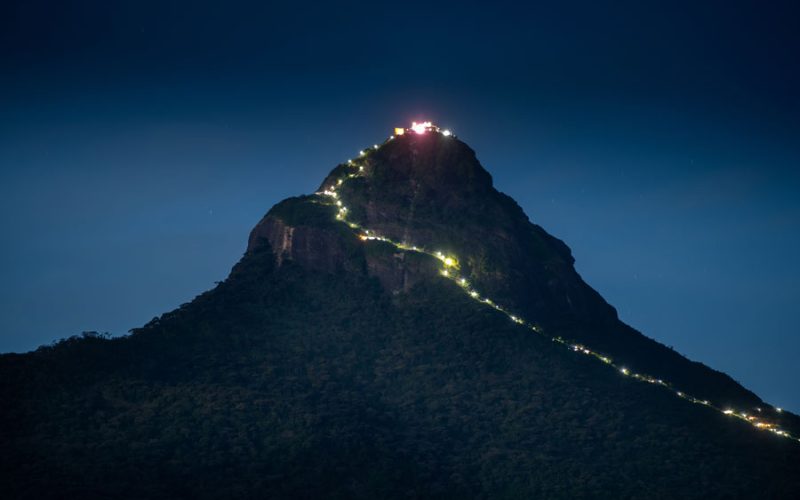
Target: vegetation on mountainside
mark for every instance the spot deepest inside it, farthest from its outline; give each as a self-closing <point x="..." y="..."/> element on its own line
<point x="287" y="383"/>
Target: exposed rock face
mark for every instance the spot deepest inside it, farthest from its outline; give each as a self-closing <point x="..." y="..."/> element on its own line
<point x="277" y="233"/>
<point x="313" y="247"/>
<point x="400" y="271"/>
<point x="327" y="250"/>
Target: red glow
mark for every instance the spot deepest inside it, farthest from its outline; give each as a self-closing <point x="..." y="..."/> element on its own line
<point x="421" y="128"/>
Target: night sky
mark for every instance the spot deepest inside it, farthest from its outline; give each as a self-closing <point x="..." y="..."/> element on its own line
<point x="140" y="142"/>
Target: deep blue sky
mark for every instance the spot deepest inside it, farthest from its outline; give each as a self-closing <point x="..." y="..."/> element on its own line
<point x="140" y="142"/>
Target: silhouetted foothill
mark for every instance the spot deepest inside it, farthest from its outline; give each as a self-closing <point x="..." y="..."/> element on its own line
<point x="406" y="331"/>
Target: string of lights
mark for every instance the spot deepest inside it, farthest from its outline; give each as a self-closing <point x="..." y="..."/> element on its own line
<point x="451" y="270"/>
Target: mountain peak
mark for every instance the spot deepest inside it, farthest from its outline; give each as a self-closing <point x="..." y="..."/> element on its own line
<point x="420" y="159"/>
<point x="425" y="188"/>
<point x="420" y="206"/>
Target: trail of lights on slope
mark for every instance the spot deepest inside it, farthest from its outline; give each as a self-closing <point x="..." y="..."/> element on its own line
<point x="450" y="270"/>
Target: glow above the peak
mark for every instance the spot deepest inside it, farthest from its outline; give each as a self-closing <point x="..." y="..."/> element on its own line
<point x="421" y="128"/>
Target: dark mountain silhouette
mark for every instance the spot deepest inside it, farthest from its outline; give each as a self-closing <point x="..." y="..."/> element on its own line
<point x="404" y="332"/>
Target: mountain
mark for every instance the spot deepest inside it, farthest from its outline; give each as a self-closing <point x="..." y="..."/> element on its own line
<point x="405" y="331"/>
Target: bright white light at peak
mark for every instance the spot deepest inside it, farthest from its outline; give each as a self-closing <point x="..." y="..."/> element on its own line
<point x="361" y="153"/>
<point x="779" y="410"/>
<point x="421" y="128"/>
<point x="728" y="412"/>
<point x="446" y="133"/>
<point x="449" y="261"/>
<point x="624" y="371"/>
<point x="375" y="146"/>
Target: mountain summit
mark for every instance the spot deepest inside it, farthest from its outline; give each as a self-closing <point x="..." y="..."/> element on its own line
<point x="405" y="331"/>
